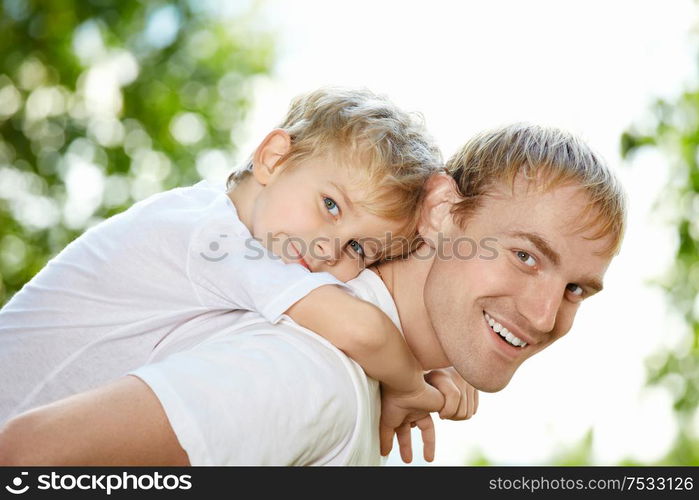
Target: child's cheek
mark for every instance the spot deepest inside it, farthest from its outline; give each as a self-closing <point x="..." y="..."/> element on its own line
<point x="293" y="215"/>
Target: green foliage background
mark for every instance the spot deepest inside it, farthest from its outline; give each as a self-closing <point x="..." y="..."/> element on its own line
<point x="199" y="74"/>
<point x="175" y="61"/>
<point x="674" y="132"/>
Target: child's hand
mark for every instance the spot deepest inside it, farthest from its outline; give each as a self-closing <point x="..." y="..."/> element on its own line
<point x="401" y="411"/>
<point x="461" y="398"/>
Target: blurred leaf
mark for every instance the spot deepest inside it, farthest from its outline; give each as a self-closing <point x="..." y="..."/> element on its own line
<point x="580" y="453"/>
<point x="675" y="134"/>
<point x="104" y="102"/>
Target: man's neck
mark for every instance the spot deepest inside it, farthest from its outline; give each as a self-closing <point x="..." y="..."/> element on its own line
<point x="405" y="280"/>
<point x="243" y="195"/>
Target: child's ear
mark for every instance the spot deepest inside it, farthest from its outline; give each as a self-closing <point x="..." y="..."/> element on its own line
<point x="441" y="194"/>
<point x="266" y="158"/>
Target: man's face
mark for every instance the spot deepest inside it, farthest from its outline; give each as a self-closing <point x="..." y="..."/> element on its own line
<point x="311" y="214"/>
<point x="529" y="276"/>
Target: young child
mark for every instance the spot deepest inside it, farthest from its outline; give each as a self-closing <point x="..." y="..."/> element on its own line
<point x="322" y="193"/>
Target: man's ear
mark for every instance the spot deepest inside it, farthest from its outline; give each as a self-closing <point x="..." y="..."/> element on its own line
<point x="441" y="194"/>
<point x="265" y="160"/>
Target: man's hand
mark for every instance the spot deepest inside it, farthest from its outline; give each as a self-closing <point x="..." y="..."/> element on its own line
<point x="400" y="412"/>
<point x="460" y="402"/>
<point x="461" y="398"/>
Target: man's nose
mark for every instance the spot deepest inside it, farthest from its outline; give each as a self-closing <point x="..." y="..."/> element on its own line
<point x="540" y="304"/>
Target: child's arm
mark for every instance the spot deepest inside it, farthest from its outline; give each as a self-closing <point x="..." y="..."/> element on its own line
<point x="368" y="336"/>
<point x="461" y="398"/>
<point x="460" y="403"/>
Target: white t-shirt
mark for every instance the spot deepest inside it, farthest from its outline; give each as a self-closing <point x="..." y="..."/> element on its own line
<point x="272" y="394"/>
<point x="166" y="271"/>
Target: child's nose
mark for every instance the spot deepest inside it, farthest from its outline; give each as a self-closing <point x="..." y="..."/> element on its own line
<point x="327" y="251"/>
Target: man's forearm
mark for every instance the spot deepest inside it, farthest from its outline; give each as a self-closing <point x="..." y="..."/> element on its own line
<point x="121" y="423"/>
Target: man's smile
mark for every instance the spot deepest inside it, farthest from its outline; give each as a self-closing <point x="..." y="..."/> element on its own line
<point x="501" y="330"/>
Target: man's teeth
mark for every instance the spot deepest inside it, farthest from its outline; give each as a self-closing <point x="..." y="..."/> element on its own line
<point x="504" y="332"/>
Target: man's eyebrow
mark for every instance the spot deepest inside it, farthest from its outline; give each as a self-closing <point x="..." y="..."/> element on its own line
<point x="540" y="243"/>
<point x="544" y="247"/>
<point x="343" y="193"/>
<point x="593" y="283"/>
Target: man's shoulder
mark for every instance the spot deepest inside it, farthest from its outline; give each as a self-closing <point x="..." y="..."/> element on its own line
<point x="293" y="345"/>
<point x="346" y="400"/>
<point x="297" y="391"/>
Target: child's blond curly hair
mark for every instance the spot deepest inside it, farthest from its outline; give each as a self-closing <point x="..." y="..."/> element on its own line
<point x="389" y="149"/>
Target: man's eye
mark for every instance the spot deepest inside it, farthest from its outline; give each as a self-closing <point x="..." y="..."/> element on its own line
<point x="526" y="258"/>
<point x="354" y="245"/>
<point x="331" y="206"/>
<point x="575" y="289"/>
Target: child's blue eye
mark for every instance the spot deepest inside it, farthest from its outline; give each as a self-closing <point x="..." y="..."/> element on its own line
<point x="331" y="206"/>
<point x="354" y="245"/>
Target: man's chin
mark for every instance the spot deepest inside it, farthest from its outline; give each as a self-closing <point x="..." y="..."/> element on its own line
<point x="491" y="387"/>
<point x="488" y="382"/>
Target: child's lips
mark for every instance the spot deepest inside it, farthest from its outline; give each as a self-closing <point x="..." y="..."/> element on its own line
<point x="300" y="259"/>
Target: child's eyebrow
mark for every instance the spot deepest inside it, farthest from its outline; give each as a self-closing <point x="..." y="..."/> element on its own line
<point x="345" y="198"/>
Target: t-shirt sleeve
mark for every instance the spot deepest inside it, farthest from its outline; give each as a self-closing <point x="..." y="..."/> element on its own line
<point x="228" y="271"/>
<point x="254" y="399"/>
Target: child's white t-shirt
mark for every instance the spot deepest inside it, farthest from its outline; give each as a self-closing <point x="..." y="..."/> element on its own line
<point x="235" y="389"/>
<point x="148" y="277"/>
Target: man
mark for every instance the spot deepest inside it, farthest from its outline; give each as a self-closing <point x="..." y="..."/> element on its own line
<point x="515" y="238"/>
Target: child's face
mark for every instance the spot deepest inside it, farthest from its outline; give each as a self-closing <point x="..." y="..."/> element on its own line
<point x="311" y="214"/>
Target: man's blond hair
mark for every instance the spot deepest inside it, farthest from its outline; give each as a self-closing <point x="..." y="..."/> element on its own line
<point x="389" y="148"/>
<point x="549" y="156"/>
